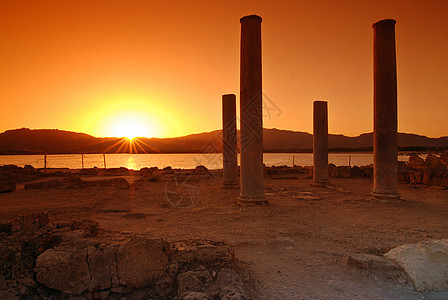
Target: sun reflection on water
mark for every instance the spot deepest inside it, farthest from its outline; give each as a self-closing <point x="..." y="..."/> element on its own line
<point x="131" y="164"/>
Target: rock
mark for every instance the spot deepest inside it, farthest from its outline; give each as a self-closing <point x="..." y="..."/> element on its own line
<point x="89" y="227"/>
<point x="356" y="172"/>
<point x="343" y="172"/>
<point x="34" y="186"/>
<point x="231" y="294"/>
<point x="332" y="170"/>
<point x="76" y="268"/>
<point x="433" y="160"/>
<point x="30" y="223"/>
<point x="72" y="225"/>
<point x="103" y="267"/>
<point x="145" y="172"/>
<point x="207" y="252"/>
<point x="62" y="270"/>
<point x="122" y="290"/>
<point x="49" y="184"/>
<point x="101" y="295"/>
<point x="71" y="182"/>
<point x="6" y="184"/>
<point x="309" y="171"/>
<point x="142" y="261"/>
<point x="425" y="263"/>
<point x="444" y="158"/>
<point x="415" y="160"/>
<point x="168" y="170"/>
<point x="30" y="170"/>
<point x="369" y="262"/>
<point x="120" y="183"/>
<point x="194" y="296"/>
<point x="403" y="176"/>
<point x="368" y="171"/>
<point x="428" y="174"/>
<point x="193" y="281"/>
<point x="416" y="177"/>
<point x="229" y="282"/>
<point x="10" y="168"/>
<point x="165" y="286"/>
<point x="89" y="172"/>
<point x="201" y="170"/>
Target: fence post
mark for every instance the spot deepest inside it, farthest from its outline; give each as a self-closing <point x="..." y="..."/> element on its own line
<point x="45" y="161"/>
<point x="82" y="158"/>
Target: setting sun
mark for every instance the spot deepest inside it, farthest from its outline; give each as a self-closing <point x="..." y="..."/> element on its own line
<point x="130" y="126"/>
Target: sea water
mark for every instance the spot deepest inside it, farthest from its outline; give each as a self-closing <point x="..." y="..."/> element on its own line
<point x="184" y="160"/>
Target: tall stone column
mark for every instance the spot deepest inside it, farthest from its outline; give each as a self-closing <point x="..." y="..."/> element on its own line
<point x="320" y="143"/>
<point x="251" y="97"/>
<point x="229" y="140"/>
<point x="385" y="145"/>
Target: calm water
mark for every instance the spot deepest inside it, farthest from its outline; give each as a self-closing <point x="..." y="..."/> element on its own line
<point x="185" y="161"/>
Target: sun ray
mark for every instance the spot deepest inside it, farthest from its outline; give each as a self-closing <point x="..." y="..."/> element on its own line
<point x="150" y="147"/>
<point x="137" y="144"/>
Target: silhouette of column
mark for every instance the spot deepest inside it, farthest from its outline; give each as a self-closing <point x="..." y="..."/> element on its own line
<point x="251" y="97"/>
<point x="320" y="143"/>
<point x="385" y="146"/>
<point x="229" y="155"/>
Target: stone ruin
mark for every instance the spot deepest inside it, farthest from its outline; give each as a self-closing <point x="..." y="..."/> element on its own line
<point x="430" y="171"/>
<point x="77" y="260"/>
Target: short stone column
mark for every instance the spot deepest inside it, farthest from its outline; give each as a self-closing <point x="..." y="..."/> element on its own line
<point x="229" y="141"/>
<point x="320" y="143"/>
<point x="385" y="145"/>
<point x="251" y="97"/>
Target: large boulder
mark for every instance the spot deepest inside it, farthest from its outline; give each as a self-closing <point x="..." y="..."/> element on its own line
<point x="64" y="270"/>
<point x="425" y="263"/>
<point x="120" y="183"/>
<point x="141" y="261"/>
<point x="416" y="161"/>
<point x="74" y="270"/>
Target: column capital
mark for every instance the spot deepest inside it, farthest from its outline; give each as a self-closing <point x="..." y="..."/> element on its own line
<point x="251" y="18"/>
<point x="385" y="22"/>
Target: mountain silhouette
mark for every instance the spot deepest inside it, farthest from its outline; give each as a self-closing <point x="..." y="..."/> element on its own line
<point x="53" y="141"/>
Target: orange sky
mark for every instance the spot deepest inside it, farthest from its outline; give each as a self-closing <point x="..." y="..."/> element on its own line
<point x="92" y="66"/>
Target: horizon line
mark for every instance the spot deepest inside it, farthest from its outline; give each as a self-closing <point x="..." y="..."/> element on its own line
<point x="154" y="137"/>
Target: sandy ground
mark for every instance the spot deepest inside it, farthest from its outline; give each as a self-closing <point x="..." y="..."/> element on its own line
<point x="295" y="245"/>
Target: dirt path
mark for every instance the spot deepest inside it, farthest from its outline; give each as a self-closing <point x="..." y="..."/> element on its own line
<point x="295" y="245"/>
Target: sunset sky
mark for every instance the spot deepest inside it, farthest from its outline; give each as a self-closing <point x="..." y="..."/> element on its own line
<point x="159" y="68"/>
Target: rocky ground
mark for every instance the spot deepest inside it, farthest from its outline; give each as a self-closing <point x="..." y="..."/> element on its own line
<point x="296" y="247"/>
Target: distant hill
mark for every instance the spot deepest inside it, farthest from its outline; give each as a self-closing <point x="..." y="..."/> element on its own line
<point x="53" y="141"/>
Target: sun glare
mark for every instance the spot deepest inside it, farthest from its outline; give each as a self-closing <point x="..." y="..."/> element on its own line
<point x="130" y="126"/>
<point x="128" y="116"/>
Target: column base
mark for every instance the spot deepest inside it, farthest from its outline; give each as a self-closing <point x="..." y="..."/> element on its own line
<point x="385" y="196"/>
<point x="320" y="183"/>
<point x="230" y="185"/>
<point x="244" y="200"/>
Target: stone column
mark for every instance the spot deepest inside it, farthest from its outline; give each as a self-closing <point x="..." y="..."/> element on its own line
<point x="229" y="155"/>
<point x="320" y="143"/>
<point x="251" y="97"/>
<point x="385" y="146"/>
